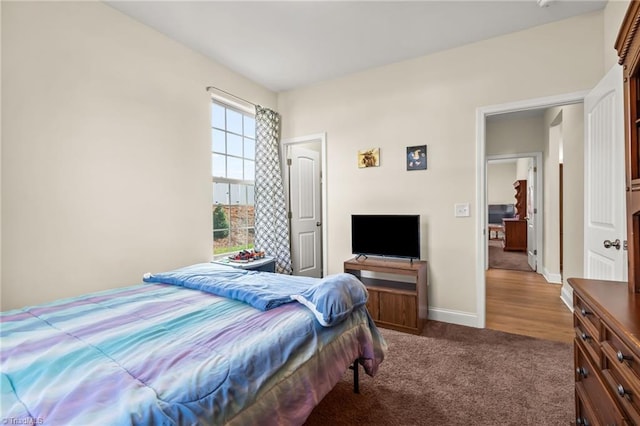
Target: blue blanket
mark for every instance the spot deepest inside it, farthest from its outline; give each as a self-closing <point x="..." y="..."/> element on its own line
<point x="262" y="291"/>
<point x="330" y="299"/>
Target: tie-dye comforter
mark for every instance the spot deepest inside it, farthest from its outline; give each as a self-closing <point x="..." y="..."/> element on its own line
<point x="159" y="354"/>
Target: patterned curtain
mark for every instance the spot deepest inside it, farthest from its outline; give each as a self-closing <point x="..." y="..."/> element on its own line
<point x="271" y="222"/>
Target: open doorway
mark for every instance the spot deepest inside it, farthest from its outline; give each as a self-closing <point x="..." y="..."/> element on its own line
<point x="516" y="146"/>
<point x="523" y="295"/>
<point x="512" y="211"/>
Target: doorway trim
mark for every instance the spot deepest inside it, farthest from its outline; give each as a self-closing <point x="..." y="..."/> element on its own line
<point x="481" y="178"/>
<point x="322" y="139"/>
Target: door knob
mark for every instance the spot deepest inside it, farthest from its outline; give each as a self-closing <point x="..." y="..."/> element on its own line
<point x="318" y="223"/>
<point x="609" y="244"/>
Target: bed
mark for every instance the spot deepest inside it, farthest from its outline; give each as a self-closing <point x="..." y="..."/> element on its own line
<point x="186" y="347"/>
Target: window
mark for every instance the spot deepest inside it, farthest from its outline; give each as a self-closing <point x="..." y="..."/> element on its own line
<point x="233" y="152"/>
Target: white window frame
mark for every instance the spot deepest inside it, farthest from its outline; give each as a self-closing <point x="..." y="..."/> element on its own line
<point x="245" y="183"/>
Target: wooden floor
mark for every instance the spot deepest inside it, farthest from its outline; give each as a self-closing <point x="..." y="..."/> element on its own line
<point x="525" y="303"/>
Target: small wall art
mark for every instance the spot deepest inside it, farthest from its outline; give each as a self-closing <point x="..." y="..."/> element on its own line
<point x="369" y="158"/>
<point x="417" y="157"/>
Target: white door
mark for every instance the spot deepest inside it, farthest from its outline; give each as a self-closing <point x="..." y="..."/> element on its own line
<point x="604" y="216"/>
<point x="531" y="216"/>
<point x="306" y="211"/>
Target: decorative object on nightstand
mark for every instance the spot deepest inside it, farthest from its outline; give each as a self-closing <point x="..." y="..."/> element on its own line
<point x="247" y="256"/>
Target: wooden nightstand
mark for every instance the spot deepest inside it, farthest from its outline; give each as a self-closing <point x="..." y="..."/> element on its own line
<point x="267" y="264"/>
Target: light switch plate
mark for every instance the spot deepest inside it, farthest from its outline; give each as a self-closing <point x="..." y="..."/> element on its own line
<point x="461" y="210"/>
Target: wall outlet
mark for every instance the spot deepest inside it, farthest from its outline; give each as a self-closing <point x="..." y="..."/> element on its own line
<point x="461" y="210"/>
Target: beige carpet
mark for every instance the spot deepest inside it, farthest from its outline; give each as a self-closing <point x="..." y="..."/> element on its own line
<point x="454" y="375"/>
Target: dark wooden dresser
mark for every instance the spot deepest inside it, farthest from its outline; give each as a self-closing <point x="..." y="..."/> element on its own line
<point x="606" y="352"/>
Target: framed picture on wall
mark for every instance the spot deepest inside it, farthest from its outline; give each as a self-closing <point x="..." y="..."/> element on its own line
<point x="417" y="157"/>
<point x="369" y="158"/>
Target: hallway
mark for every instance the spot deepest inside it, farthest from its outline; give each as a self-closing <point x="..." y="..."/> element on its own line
<point x="524" y="303"/>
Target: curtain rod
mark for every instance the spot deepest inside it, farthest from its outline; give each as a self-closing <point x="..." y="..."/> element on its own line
<point x="229" y="94"/>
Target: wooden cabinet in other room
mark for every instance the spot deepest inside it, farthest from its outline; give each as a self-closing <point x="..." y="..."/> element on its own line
<point x="515" y="234"/>
<point x="515" y="228"/>
<point x="520" y="187"/>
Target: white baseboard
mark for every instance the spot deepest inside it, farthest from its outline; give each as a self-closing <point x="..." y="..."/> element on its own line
<point x="551" y="277"/>
<point x="454" y="317"/>
<point x="566" y="295"/>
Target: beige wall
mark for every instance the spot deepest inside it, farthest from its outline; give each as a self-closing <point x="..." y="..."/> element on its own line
<point x="500" y="178"/>
<point x="522" y="168"/>
<point x="105" y="150"/>
<point x="514" y="134"/>
<point x="432" y="100"/>
<point x="573" y="191"/>
<point x="103" y="140"/>
<point x="568" y="121"/>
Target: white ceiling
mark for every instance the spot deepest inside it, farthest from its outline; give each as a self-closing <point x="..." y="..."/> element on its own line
<point x="284" y="45"/>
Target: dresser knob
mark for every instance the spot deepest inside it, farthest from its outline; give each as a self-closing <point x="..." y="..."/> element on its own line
<point x="584" y="312"/>
<point x="582" y="421"/>
<point x="621" y="357"/>
<point x="623" y="392"/>
<point x="581" y="371"/>
<point x="584" y="336"/>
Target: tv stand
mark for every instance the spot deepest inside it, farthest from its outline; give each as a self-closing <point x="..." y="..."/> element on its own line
<point x="394" y="304"/>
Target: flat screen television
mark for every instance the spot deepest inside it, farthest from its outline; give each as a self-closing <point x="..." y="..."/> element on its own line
<point x="386" y="235"/>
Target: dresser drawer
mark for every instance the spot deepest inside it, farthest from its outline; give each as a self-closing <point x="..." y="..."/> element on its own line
<point x="584" y="413"/>
<point x="626" y="394"/>
<point x="618" y="353"/>
<point x="583" y="311"/>
<point x="591" y="344"/>
<point x="593" y="392"/>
